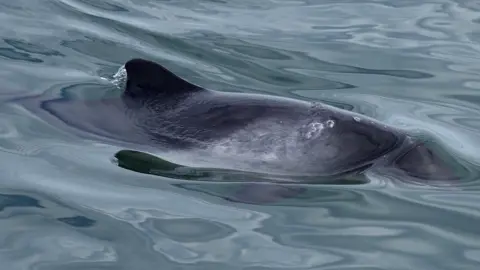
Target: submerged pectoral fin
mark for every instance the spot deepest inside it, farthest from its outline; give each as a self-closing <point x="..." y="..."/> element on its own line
<point x="149" y="164"/>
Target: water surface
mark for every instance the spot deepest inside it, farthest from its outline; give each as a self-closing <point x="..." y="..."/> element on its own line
<point x="65" y="205"/>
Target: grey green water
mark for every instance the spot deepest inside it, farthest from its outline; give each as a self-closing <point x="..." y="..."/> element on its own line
<point x="64" y="204"/>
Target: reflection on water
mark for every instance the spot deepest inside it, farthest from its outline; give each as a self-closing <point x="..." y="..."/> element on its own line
<point x="412" y="64"/>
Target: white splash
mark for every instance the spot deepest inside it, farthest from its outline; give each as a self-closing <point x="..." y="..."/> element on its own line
<point x="316" y="128"/>
<point x="330" y="123"/>
<point x="120" y="77"/>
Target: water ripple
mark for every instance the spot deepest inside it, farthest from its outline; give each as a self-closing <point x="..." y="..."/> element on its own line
<point x="65" y="204"/>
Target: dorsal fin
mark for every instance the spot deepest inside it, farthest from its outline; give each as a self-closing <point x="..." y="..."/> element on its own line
<point x="144" y="76"/>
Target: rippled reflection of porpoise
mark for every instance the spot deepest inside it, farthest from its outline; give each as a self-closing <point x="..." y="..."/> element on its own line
<point x="245" y="131"/>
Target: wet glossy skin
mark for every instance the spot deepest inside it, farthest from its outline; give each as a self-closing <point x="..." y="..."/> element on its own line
<point x="160" y="110"/>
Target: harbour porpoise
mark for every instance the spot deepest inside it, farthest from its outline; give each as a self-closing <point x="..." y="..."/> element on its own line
<point x="251" y="132"/>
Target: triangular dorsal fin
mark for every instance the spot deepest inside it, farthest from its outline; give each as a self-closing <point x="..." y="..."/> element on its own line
<point x="144" y="76"/>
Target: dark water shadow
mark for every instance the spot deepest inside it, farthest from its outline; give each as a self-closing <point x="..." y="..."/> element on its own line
<point x="46" y="206"/>
<point x="18" y="49"/>
<point x="272" y="194"/>
<point x="103" y="5"/>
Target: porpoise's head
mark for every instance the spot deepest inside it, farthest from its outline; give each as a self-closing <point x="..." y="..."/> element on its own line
<point x="426" y="162"/>
<point x="350" y="143"/>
